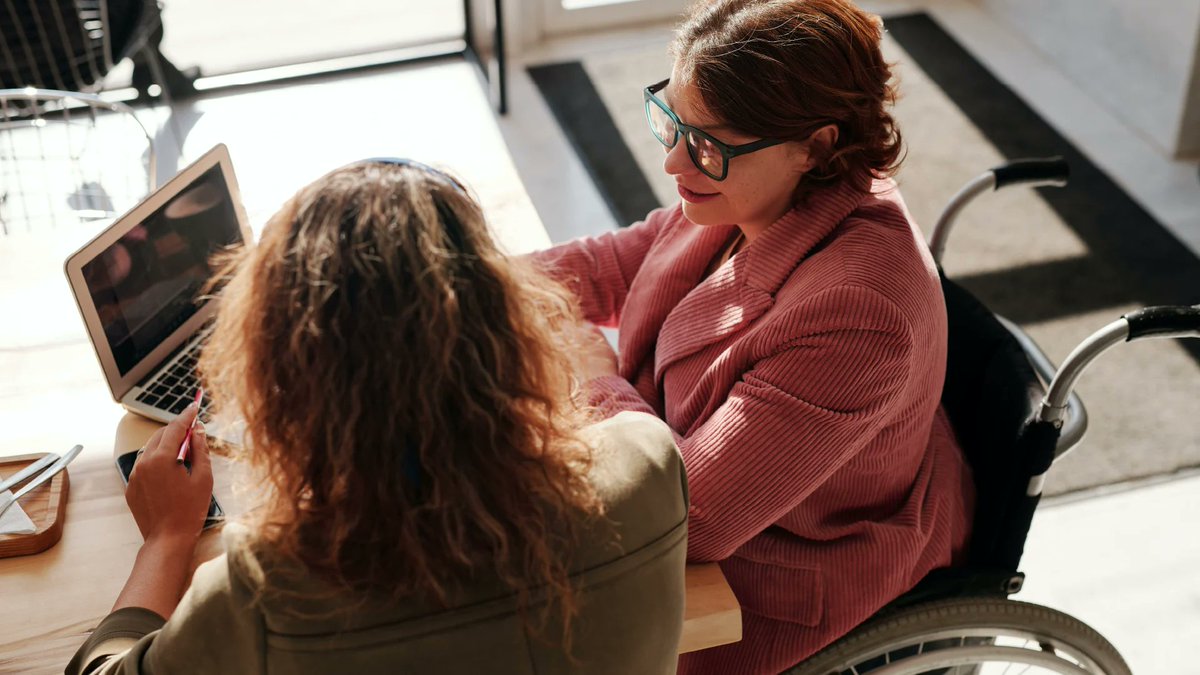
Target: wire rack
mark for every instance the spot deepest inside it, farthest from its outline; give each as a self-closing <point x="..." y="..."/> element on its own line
<point x="67" y="157"/>
<point x="59" y="44"/>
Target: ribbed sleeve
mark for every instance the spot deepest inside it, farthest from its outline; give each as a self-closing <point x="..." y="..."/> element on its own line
<point x="776" y="438"/>
<point x="612" y="394"/>
<point x="601" y="269"/>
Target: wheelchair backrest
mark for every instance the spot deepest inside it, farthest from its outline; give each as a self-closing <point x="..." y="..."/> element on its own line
<point x="990" y="395"/>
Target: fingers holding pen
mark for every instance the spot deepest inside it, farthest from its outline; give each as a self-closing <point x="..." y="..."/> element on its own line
<point x="201" y="459"/>
<point x="166" y="441"/>
<point x="166" y="499"/>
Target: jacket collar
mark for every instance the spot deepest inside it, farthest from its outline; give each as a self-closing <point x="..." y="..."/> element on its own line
<point x="744" y="287"/>
<point x="776" y="253"/>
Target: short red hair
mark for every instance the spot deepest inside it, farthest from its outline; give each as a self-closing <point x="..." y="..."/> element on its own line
<point x="785" y="68"/>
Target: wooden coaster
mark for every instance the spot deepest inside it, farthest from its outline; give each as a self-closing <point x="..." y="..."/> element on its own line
<point x="45" y="506"/>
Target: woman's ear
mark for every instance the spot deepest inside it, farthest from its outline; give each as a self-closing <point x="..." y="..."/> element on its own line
<point x="820" y="145"/>
<point x="826" y="137"/>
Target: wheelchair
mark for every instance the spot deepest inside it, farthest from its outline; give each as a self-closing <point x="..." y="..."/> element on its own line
<point x="1014" y="414"/>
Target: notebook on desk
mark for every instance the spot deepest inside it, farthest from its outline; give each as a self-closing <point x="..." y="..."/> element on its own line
<point x="139" y="287"/>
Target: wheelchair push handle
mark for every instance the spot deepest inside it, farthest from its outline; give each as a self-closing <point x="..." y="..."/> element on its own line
<point x="1170" y="321"/>
<point x="1151" y="322"/>
<point x="1049" y="171"/>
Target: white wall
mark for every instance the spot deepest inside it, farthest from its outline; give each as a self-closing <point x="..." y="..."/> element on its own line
<point x="1136" y="57"/>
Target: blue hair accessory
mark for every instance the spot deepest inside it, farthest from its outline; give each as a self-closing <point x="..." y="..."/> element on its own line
<point x="404" y="161"/>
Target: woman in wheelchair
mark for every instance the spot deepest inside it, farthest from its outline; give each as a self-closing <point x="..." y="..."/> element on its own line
<point x="430" y="496"/>
<point x="786" y="320"/>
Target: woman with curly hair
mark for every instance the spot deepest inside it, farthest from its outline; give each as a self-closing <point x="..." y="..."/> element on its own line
<point x="786" y="320"/>
<point x="433" y="499"/>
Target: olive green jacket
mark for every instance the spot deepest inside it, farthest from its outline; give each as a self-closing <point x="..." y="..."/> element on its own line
<point x="630" y="575"/>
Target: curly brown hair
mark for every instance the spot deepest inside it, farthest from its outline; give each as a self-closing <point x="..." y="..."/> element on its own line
<point x="406" y="392"/>
<point x="785" y="68"/>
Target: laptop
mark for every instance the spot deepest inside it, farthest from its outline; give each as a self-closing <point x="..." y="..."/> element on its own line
<point x="140" y="286"/>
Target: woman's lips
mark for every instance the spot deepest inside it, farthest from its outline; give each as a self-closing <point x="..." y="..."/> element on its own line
<point x="695" y="197"/>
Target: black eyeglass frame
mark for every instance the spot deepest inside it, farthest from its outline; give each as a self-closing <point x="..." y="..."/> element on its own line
<point x="727" y="151"/>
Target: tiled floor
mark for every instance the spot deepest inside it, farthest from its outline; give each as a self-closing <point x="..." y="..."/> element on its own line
<point x="1127" y="563"/>
<point x="1123" y="561"/>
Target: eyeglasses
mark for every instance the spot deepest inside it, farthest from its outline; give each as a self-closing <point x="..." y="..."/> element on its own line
<point x="708" y="154"/>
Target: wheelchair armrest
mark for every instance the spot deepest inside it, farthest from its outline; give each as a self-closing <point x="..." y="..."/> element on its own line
<point x="1076" y="421"/>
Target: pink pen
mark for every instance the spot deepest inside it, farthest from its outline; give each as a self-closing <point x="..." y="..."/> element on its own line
<point x="187" y="439"/>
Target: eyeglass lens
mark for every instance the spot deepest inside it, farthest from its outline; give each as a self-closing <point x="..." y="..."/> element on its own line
<point x="662" y="125"/>
<point x="703" y="154"/>
<point x="706" y="155"/>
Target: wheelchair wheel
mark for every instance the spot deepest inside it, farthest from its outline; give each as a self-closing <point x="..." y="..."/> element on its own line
<point x="969" y="636"/>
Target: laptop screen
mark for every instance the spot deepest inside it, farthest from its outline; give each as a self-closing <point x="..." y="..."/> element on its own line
<point x="148" y="283"/>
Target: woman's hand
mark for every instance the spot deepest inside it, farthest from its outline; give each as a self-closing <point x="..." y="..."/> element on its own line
<point x="169" y="505"/>
<point x="596" y="357"/>
<point x="167" y="501"/>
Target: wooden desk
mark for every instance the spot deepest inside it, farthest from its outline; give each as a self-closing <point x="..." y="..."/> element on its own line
<point x="51" y="601"/>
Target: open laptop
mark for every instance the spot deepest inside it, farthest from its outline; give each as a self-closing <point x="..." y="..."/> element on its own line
<point x="139" y="286"/>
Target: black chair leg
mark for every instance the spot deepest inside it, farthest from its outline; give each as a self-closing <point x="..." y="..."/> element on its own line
<point x="164" y="77"/>
<point x="151" y="67"/>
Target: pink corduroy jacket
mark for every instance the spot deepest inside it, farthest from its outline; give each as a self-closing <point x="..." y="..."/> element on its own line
<point x="802" y="380"/>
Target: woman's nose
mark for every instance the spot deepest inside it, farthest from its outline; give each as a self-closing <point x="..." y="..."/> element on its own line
<point x="677" y="161"/>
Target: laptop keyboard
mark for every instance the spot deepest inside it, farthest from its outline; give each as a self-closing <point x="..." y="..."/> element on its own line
<point x="174" y="387"/>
